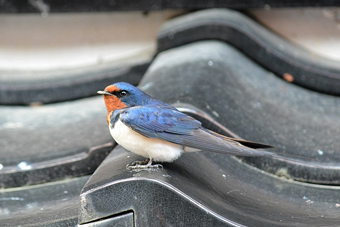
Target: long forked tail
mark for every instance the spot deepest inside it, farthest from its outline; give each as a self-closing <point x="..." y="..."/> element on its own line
<point x="206" y="140"/>
<point x="243" y="142"/>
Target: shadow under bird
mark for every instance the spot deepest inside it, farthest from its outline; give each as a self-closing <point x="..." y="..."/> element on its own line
<point x="159" y="132"/>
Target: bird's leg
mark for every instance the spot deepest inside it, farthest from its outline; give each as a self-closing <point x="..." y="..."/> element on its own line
<point x="140" y="165"/>
<point x="149" y="162"/>
<point x="157" y="166"/>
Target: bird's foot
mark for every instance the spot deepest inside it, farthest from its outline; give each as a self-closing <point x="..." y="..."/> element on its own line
<point x="144" y="165"/>
<point x="136" y="163"/>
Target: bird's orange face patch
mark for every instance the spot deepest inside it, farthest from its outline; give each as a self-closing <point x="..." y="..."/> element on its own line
<point x="112" y="102"/>
<point x="108" y="115"/>
<point x="111" y="88"/>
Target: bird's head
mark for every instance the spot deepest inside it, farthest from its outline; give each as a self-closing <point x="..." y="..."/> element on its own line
<point x="122" y="95"/>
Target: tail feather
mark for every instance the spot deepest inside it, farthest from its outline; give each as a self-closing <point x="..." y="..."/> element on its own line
<point x="204" y="139"/>
<point x="243" y="142"/>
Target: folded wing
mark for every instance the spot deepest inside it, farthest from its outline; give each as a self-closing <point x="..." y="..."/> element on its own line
<point x="176" y="127"/>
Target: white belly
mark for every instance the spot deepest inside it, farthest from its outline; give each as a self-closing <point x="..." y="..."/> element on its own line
<point x="156" y="149"/>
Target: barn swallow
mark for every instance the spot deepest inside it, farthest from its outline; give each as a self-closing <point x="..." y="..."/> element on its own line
<point x="159" y="132"/>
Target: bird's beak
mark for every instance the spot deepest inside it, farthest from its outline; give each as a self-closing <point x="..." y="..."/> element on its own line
<point x="103" y="93"/>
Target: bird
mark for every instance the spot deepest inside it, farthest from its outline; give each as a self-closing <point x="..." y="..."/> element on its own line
<point x="159" y="132"/>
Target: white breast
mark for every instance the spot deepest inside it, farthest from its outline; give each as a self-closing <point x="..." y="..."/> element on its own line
<point x="156" y="149"/>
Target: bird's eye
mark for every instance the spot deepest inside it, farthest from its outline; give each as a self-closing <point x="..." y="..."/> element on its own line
<point x="122" y="94"/>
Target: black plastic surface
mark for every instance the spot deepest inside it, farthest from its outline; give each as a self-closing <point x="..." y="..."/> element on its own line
<point x="204" y="189"/>
<point x="53" y="204"/>
<point x="279" y="56"/>
<point x="24" y="88"/>
<point x="80" y="164"/>
<point x="18" y="6"/>
<point x="43" y="143"/>
<point x="152" y="195"/>
<point x="51" y="142"/>
<point x="126" y="220"/>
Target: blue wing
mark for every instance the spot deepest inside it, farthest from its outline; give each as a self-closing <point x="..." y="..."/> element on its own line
<point x="173" y="126"/>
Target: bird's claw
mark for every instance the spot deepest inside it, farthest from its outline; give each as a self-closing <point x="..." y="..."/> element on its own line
<point x="140" y="163"/>
<point x="144" y="165"/>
